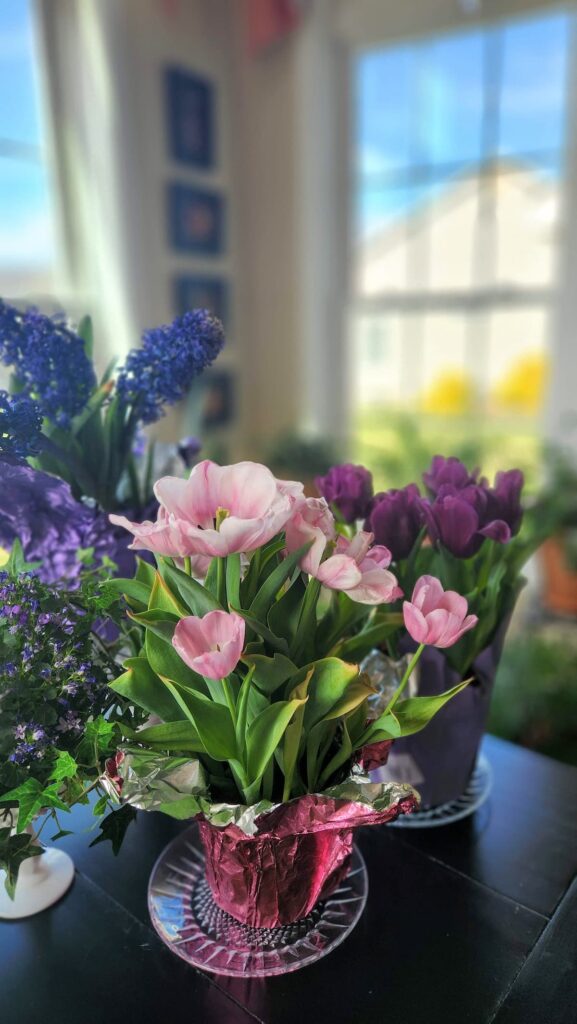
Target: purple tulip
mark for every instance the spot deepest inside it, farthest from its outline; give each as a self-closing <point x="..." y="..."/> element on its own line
<point x="504" y="499"/>
<point x="396" y="517"/>
<point x="349" y="488"/>
<point x="450" y="471"/>
<point x="460" y="520"/>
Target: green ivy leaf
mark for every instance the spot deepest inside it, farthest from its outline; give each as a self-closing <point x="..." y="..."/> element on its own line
<point x="14" y="850"/>
<point x="65" y="766"/>
<point x="113" y="827"/>
<point x="31" y="798"/>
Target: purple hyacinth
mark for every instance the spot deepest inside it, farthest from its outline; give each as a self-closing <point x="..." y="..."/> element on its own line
<point x="20" y="425"/>
<point x="451" y="471"/>
<point x="49" y="361"/>
<point x="41" y="511"/>
<point x="349" y="488"/>
<point x="163" y="369"/>
<point x="396" y="518"/>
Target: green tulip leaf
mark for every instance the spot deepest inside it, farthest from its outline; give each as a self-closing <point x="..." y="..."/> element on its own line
<point x="140" y="685"/>
<point x="264" y="735"/>
<point x="197" y="599"/>
<point x="415" y="713"/>
<point x="270" y="673"/>
<point x="212" y="721"/>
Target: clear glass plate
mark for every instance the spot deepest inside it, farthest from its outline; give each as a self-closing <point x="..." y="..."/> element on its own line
<point x="188" y="920"/>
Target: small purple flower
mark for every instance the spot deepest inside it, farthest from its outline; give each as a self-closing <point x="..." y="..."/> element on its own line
<point x="188" y="448"/>
<point x="349" y="488"/>
<point x="20" y="427"/>
<point x="396" y="518"/>
<point x="450" y="471"/>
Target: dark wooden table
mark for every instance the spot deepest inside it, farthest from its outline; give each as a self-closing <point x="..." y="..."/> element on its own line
<point x="475" y="922"/>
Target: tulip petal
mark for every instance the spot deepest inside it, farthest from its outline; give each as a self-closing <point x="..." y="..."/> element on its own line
<point x="339" y="572"/>
<point x="427" y="593"/>
<point x="415" y="622"/>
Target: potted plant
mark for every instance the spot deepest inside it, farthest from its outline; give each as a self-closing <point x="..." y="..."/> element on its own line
<point x="60" y="720"/>
<point x="557" y="512"/>
<point x="467" y="533"/>
<point x="72" y="447"/>
<point x="255" y="619"/>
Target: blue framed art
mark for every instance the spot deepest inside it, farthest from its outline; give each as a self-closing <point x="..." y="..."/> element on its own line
<point x="190" y="118"/>
<point x="195" y="220"/>
<point x="218" y="401"/>
<point x="193" y="291"/>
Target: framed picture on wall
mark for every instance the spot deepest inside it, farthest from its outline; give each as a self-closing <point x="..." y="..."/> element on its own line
<point x="190" y="118"/>
<point x="218" y="399"/>
<point x="193" y="291"/>
<point x="195" y="220"/>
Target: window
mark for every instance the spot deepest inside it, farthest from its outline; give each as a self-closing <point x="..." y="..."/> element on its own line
<point x="27" y="235"/>
<point x="459" y="146"/>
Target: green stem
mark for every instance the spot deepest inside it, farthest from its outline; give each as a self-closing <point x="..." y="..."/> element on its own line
<point x="221" y="581"/>
<point x="229" y="697"/>
<point x="405" y="678"/>
<point x="304" y="632"/>
<point x="486" y="566"/>
<point x="133" y="477"/>
<point x="188" y="565"/>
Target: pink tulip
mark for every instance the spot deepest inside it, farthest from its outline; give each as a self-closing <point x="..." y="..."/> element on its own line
<point x="361" y="571"/>
<point x="355" y="567"/>
<point x="251" y="506"/>
<point x="436" y="616"/>
<point x="313" y="521"/>
<point x="211" y="646"/>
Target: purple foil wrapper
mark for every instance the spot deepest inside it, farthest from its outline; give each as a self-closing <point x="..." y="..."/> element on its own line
<point x="439" y="760"/>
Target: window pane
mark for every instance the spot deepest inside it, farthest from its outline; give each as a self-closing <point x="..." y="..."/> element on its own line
<point x="19" y="118"/>
<point x="450" y="104"/>
<point x="527" y="210"/>
<point x="453" y="227"/>
<point x="517" y="374"/>
<point x="394" y="256"/>
<point x="447" y="387"/>
<point x="27" y="241"/>
<point x="384" y="88"/>
<point x="377" y="367"/>
<point x="533" y="86"/>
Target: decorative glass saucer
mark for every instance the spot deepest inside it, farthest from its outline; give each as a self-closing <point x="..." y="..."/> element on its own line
<point x="188" y="920"/>
<point x="476" y="793"/>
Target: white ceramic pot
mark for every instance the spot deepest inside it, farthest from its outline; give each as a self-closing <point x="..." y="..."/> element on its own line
<point x="41" y="882"/>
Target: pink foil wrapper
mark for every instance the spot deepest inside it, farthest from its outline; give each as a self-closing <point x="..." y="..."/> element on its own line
<point x="298" y="856"/>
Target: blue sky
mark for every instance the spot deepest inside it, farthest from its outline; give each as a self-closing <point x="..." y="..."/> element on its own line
<point x="26" y="234"/>
<point x="416" y="104"/>
<point x="421" y="104"/>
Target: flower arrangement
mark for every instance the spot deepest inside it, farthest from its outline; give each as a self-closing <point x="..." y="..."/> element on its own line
<point x="462" y="530"/>
<point x="470" y="534"/>
<point x="255" y="619"/>
<point x="61" y="423"/>
<point x="59" y="716"/>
